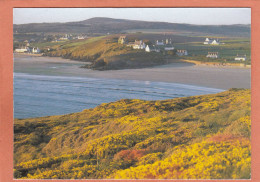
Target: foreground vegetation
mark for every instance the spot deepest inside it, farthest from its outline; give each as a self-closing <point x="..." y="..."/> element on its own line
<point x="199" y="137"/>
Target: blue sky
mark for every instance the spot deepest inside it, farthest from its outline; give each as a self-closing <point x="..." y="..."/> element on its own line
<point x="202" y="16"/>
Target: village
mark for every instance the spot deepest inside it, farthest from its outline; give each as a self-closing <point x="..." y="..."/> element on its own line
<point x="24" y="46"/>
<point x="164" y="46"/>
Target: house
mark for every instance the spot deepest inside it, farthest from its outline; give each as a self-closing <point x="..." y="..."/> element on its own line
<point x="159" y="43"/>
<point x="168" y="47"/>
<point x="66" y="37"/>
<point x="211" y="41"/>
<point x="207" y="40"/>
<point x="139" y="44"/>
<point x="81" y="37"/>
<point x="215" y="42"/>
<point x="240" y="57"/>
<point x="182" y="52"/>
<point x="122" y="40"/>
<point x="212" y="55"/>
<point x="22" y="50"/>
<point x="35" y="50"/>
<point x="152" y="48"/>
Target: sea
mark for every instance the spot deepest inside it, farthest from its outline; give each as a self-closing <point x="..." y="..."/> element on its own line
<point x="43" y="95"/>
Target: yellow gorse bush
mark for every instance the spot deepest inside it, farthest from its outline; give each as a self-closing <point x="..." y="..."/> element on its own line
<point x="205" y="160"/>
<point x="200" y="137"/>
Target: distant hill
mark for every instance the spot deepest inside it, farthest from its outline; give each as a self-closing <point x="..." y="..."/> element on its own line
<point x="199" y="137"/>
<point x="110" y="25"/>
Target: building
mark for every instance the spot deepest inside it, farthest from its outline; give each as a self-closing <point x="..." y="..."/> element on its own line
<point x="80" y="37"/>
<point x="36" y="50"/>
<point x="240" y="57"/>
<point x="182" y="52"/>
<point x="122" y="40"/>
<point x="139" y="44"/>
<point x="159" y="43"/>
<point x="66" y="37"/>
<point x="215" y="42"/>
<point x="168" y="47"/>
<point x="212" y="55"/>
<point x="22" y="50"/>
<point x="152" y="48"/>
<point x="211" y="41"/>
<point x="207" y="40"/>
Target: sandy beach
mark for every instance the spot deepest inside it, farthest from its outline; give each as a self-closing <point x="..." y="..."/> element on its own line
<point x="185" y="73"/>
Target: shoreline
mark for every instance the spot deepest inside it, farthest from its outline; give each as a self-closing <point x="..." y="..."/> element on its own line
<point x="216" y="64"/>
<point x="28" y="54"/>
<point x="176" y="72"/>
<point x="169" y="61"/>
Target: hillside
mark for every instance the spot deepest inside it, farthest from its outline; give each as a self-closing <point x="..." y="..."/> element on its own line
<point x="105" y="25"/>
<point x="199" y="137"/>
<point x="105" y="53"/>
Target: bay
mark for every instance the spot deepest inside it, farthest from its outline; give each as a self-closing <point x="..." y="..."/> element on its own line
<point x="44" y="95"/>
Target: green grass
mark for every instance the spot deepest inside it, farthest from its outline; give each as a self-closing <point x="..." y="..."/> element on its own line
<point x="81" y="42"/>
<point x="228" y="51"/>
<point x="102" y="51"/>
<point x="105" y="54"/>
<point x="42" y="45"/>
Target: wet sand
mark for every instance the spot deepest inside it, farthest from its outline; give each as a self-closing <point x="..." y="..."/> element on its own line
<point x="185" y="73"/>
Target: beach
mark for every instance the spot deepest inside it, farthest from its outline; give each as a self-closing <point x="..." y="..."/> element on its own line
<point x="179" y="72"/>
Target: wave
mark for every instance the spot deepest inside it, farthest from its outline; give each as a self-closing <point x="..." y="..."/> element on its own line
<point x="61" y="93"/>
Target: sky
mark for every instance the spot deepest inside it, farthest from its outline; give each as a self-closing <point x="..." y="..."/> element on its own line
<point x="200" y="16"/>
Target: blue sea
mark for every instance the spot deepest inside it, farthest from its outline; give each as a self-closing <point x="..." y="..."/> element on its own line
<point x="40" y="95"/>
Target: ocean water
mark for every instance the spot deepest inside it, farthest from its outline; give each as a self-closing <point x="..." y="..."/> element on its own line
<point x="40" y="95"/>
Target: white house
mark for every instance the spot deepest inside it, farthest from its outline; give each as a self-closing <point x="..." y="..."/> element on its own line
<point x="215" y="42"/>
<point x="211" y="41"/>
<point x="182" y="52"/>
<point x="139" y="44"/>
<point x="212" y="55"/>
<point x="22" y="50"/>
<point x="168" y="47"/>
<point x="151" y="49"/>
<point x="148" y="48"/>
<point x="36" y="50"/>
<point x="159" y="43"/>
<point x="240" y="57"/>
<point x="80" y="37"/>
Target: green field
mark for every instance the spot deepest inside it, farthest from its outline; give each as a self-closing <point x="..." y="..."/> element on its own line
<point x="106" y="49"/>
<point x="227" y="51"/>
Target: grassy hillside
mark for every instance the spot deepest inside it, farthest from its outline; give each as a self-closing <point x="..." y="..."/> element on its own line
<point x="105" y="53"/>
<point x="105" y="25"/>
<point x="189" y="138"/>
